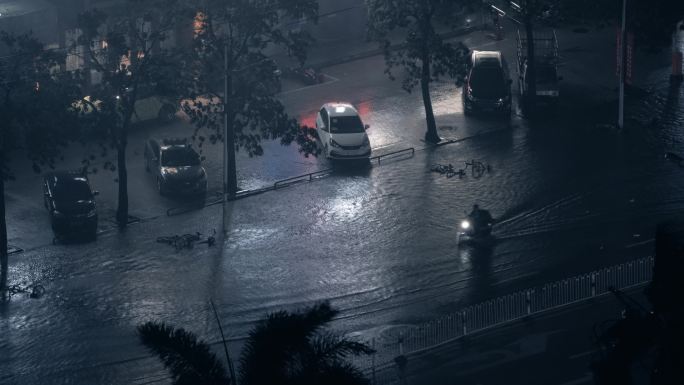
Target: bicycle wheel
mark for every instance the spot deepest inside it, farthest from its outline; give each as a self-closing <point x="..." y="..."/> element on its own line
<point x="179" y="243"/>
<point x="167" y="240"/>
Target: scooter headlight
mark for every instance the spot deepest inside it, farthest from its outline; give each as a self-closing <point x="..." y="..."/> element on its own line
<point x="465" y="225"/>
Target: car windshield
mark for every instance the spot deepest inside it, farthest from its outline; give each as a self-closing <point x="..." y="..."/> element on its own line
<point x="487" y="82"/>
<point x="346" y="125"/>
<point x="179" y="157"/>
<point x="76" y="189"/>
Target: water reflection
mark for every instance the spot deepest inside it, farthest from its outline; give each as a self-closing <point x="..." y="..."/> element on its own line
<point x="478" y="255"/>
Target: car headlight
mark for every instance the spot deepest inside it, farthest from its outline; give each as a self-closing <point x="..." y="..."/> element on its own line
<point x="335" y="144"/>
<point x="465" y="225"/>
<point x="169" y="171"/>
<point x="57" y="213"/>
<point x="366" y="142"/>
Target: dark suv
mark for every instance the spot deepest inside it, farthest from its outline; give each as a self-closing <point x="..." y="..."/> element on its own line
<point x="70" y="201"/>
<point x="488" y="84"/>
<point x="175" y="166"/>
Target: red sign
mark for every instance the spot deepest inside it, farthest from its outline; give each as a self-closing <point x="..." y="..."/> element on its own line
<point x="629" y="58"/>
<point x="618" y="53"/>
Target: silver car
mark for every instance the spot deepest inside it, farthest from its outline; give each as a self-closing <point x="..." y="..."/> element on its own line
<point x="176" y="167"/>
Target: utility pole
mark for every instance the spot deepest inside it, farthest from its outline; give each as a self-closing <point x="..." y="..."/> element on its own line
<point x="225" y="120"/>
<point x="229" y="167"/>
<point x="531" y="77"/>
<point x="621" y="64"/>
<point x="228" y="131"/>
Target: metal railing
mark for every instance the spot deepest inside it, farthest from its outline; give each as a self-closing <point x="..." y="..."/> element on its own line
<point x="394" y="154"/>
<point x="302" y="178"/>
<point x="325" y="172"/>
<point x="309" y="177"/>
<point x="501" y="310"/>
<point x="11" y="249"/>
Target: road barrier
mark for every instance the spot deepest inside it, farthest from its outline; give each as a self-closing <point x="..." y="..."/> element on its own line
<point x="394" y="154"/>
<point x="302" y="178"/>
<point x="499" y="311"/>
<point x="11" y="249"/>
<point x="309" y="177"/>
<point x="325" y="172"/>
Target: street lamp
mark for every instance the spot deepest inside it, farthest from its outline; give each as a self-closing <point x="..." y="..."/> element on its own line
<point x="621" y="108"/>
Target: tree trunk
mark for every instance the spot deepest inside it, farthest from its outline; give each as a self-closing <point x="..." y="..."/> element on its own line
<point x="431" y="135"/>
<point x="122" y="209"/>
<point x="3" y="239"/>
<point x="531" y="63"/>
<point x="229" y="140"/>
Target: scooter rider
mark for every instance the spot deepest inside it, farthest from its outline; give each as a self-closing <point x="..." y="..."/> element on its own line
<point x="479" y="216"/>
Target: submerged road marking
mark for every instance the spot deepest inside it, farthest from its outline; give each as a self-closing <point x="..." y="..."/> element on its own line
<point x="639" y="243"/>
<point x="587" y="378"/>
<point x="518" y="277"/>
<point x="332" y="80"/>
<point x="578" y="355"/>
<point x="484" y="44"/>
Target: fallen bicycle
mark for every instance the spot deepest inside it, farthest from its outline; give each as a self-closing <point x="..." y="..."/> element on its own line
<point x="447" y="170"/>
<point x="477" y="168"/>
<point x="188" y="241"/>
<point x="34" y="290"/>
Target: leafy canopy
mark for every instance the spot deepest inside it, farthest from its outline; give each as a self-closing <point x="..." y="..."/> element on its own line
<point x="239" y="35"/>
<point x="423" y="45"/>
<point x="35" y="115"/>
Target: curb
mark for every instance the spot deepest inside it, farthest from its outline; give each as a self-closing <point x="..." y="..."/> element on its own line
<point x="394" y="47"/>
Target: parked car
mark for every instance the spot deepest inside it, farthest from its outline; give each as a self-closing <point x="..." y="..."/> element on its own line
<point x="70" y="201"/>
<point x="546" y="81"/>
<point x="487" y="85"/>
<point x="175" y="166"/>
<point x="341" y="132"/>
<point x="546" y="66"/>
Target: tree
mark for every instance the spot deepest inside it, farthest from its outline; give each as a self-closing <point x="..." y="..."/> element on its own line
<point x="424" y="55"/>
<point x="530" y="10"/>
<point x="35" y="115"/>
<point x="231" y="43"/>
<point x="286" y="348"/>
<point x="129" y="53"/>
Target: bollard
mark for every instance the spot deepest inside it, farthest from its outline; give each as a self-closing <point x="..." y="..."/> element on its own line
<point x="593" y="284"/>
<point x="401" y="362"/>
<point x="528" y="302"/>
<point x="401" y="343"/>
<point x="463" y="321"/>
<point x="373" y="360"/>
<point x="676" y="66"/>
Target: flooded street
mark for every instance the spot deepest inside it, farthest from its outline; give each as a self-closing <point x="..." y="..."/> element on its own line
<point x="379" y="242"/>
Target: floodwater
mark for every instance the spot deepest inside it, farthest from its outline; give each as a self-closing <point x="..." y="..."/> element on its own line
<point x="379" y="243"/>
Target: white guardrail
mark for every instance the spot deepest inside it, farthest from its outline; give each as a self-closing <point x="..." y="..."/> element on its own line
<point x="497" y="311"/>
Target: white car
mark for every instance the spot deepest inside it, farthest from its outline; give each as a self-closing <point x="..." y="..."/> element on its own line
<point x="341" y="132"/>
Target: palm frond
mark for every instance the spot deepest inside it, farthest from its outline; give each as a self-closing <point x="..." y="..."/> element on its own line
<point x="273" y="344"/>
<point x="189" y="359"/>
<point x="332" y="346"/>
<point x="336" y="373"/>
